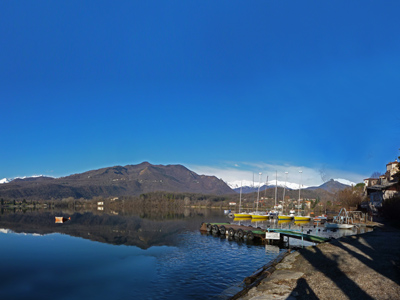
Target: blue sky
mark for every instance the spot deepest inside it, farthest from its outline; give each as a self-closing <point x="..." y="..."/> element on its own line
<point x="225" y="88"/>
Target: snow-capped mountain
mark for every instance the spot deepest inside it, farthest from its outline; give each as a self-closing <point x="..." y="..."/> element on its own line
<point x="7" y="180"/>
<point x="249" y="184"/>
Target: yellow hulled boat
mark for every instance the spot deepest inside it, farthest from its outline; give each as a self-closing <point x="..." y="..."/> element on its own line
<point x="302" y="218"/>
<point x="242" y="215"/>
<point x="259" y="216"/>
<point x="284" y="217"/>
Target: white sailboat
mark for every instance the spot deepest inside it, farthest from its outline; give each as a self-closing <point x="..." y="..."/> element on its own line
<point x="299" y="217"/>
<point x="241" y="214"/>
<point x="284" y="217"/>
<point x="257" y="214"/>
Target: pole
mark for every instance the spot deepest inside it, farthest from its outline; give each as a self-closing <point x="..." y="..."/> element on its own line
<point x="298" y="206"/>
<point x="284" y="189"/>
<point x="258" y="192"/>
<point x="276" y="187"/>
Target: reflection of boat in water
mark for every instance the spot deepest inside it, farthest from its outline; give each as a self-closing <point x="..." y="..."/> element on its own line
<point x="301" y="223"/>
<point x="284" y="221"/>
<point x="258" y="220"/>
<point x="241" y="219"/>
<point x="62" y="219"/>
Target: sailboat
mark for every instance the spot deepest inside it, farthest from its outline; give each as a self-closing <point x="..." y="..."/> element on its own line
<point x="285" y="217"/>
<point x="299" y="217"/>
<point x="259" y="215"/>
<point x="275" y="212"/>
<point x="241" y="214"/>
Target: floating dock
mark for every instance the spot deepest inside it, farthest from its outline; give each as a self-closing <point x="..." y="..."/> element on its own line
<point x="250" y="233"/>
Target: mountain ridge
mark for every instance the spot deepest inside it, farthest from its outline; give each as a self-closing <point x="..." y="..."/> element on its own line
<point x="129" y="180"/>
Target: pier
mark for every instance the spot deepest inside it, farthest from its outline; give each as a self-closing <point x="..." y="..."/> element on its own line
<point x="270" y="236"/>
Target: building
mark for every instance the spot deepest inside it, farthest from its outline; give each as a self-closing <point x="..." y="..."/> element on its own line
<point x="384" y="187"/>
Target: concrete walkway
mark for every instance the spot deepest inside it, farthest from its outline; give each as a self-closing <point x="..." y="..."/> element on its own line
<point x="365" y="266"/>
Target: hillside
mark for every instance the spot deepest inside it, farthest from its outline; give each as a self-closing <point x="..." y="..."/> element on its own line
<point x="115" y="181"/>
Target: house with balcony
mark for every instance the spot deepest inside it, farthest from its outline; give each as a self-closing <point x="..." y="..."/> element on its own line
<point x="384" y="187"/>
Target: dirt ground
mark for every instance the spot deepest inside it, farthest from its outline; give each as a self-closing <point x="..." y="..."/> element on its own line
<point x="365" y="266"/>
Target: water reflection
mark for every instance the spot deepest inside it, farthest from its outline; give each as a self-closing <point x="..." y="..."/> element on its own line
<point x="121" y="255"/>
<point x="140" y="228"/>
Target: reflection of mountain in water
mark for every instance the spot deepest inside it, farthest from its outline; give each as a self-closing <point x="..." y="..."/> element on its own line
<point x="111" y="229"/>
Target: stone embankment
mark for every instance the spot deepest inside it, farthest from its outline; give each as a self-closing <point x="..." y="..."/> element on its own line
<point x="365" y="266"/>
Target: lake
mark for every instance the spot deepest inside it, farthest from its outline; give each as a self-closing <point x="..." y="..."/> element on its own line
<point x="124" y="255"/>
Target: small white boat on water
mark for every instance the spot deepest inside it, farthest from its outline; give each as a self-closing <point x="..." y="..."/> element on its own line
<point x="341" y="221"/>
<point x="338" y="226"/>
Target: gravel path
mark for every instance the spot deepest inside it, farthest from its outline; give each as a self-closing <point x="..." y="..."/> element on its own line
<point x="364" y="266"/>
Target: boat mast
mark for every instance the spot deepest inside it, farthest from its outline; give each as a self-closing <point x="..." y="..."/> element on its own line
<point x="240" y="198"/>
<point x="258" y="192"/>
<point x="298" y="206"/>
<point x="284" y="189"/>
<point x="276" y="187"/>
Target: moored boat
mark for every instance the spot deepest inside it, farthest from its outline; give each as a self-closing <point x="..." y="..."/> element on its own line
<point x="259" y="215"/>
<point x="338" y="226"/>
<point x="302" y="218"/>
<point x="341" y="221"/>
<point x="61" y="219"/>
<point x="242" y="215"/>
<point x="284" y="217"/>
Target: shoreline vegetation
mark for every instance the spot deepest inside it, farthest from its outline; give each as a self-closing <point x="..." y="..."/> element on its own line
<point x="170" y="200"/>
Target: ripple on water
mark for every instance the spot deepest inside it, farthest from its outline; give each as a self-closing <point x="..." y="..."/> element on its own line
<point x="203" y="266"/>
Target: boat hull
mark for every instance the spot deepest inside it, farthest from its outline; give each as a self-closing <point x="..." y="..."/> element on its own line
<point x="300" y="218"/>
<point x="242" y="215"/>
<point x="284" y="218"/>
<point x="338" y="226"/>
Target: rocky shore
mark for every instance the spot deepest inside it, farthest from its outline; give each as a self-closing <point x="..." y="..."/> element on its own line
<point x="365" y="266"/>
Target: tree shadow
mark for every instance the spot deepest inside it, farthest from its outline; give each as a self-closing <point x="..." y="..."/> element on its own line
<point x="371" y="257"/>
<point x="330" y="268"/>
<point x="304" y="290"/>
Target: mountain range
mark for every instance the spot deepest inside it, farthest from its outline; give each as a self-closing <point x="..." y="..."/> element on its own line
<point x="115" y="181"/>
<point x="138" y="179"/>
<point x="332" y="185"/>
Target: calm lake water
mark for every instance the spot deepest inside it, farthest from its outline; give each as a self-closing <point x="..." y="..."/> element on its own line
<point x="124" y="256"/>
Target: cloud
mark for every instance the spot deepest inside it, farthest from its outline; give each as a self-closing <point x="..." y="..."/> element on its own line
<point x="309" y="176"/>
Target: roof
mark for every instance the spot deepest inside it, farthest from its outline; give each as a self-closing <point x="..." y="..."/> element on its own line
<point x="393" y="162"/>
<point x="380" y="187"/>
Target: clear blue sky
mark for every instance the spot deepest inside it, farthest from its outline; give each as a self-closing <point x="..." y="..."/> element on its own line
<point x="213" y="85"/>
